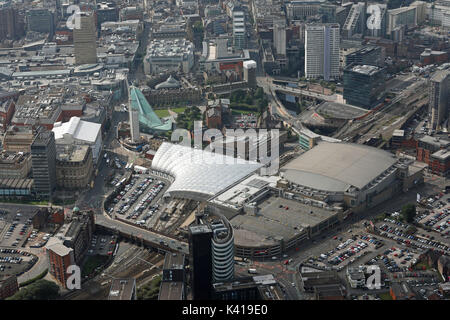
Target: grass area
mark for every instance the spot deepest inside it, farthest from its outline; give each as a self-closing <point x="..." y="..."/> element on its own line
<point x="238" y="111"/>
<point x="30" y="202"/>
<point x="92" y="263"/>
<point x="421" y="265"/>
<point x="150" y="290"/>
<point x="162" y="113"/>
<point x="38" y="277"/>
<point x="385" y="296"/>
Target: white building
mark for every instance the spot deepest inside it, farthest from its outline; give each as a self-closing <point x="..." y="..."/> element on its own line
<point x="164" y="55"/>
<point x="279" y="38"/>
<point x="406" y="16"/>
<point x="77" y="131"/>
<point x="322" y="51"/>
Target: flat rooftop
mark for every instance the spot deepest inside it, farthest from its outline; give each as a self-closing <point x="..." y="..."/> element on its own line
<point x="365" y="69"/>
<point x="277" y="218"/>
<point x="335" y="167"/>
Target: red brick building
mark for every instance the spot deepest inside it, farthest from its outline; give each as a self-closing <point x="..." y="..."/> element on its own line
<point x="435" y="152"/>
<point x="60" y="258"/>
<point x="7" y="109"/>
<point x="8" y="286"/>
<point x="431" y="57"/>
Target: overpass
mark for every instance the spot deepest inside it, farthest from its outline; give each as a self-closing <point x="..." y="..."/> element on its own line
<point x="303" y="92"/>
<point x="145" y="237"/>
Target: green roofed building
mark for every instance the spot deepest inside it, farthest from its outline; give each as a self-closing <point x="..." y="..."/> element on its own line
<point x="149" y="122"/>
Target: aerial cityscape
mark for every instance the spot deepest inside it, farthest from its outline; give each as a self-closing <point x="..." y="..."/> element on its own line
<point x="238" y="150"/>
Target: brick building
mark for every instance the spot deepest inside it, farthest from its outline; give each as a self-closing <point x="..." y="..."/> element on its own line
<point x="60" y="258"/>
<point x="435" y="152"/>
<point x="8" y="286"/>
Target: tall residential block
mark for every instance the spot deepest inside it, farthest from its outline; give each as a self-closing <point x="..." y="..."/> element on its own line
<point x="439" y="98"/>
<point x="200" y="255"/>
<point x="84" y="40"/>
<point x="322" y="51"/>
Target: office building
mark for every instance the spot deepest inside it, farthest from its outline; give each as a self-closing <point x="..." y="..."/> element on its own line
<point x="263" y="287"/>
<point x="222" y="251"/>
<point x="249" y="68"/>
<point x="74" y="166"/>
<point x="439" y="98"/>
<point x="368" y="55"/>
<point x="200" y="255"/>
<point x="364" y="85"/>
<point x="405" y="16"/>
<point x="356" y="22"/>
<point x="41" y="20"/>
<point x="302" y="9"/>
<point x="322" y="51"/>
<point x="279" y="38"/>
<point x="60" y="258"/>
<point x="239" y="32"/>
<point x="84" y="40"/>
<point x="106" y="11"/>
<point x="11" y="23"/>
<point x="43" y="157"/>
<point x="14" y="165"/>
<point x="18" y="139"/>
<point x="169" y="55"/>
<point x="80" y="132"/>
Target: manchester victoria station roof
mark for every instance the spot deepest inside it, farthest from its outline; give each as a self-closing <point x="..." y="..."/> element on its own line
<point x="199" y="174"/>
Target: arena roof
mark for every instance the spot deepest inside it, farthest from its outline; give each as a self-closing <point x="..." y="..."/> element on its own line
<point x="199" y="174"/>
<point x="338" y="166"/>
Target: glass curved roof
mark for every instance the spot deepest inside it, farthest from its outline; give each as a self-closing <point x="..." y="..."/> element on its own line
<point x="147" y="117"/>
<point x="199" y="174"/>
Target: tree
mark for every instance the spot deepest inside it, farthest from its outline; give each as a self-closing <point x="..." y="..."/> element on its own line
<point x="40" y="290"/>
<point x="408" y="212"/>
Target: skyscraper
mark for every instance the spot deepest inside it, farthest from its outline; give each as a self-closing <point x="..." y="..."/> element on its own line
<point x="222" y="251"/>
<point x="43" y="163"/>
<point x="439" y="98"/>
<point x="200" y="256"/>
<point x="84" y="40"/>
<point x="239" y="33"/>
<point x="322" y="51"/>
<point x="279" y="37"/>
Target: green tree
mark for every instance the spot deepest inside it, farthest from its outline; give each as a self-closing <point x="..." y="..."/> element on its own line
<point x="149" y="291"/>
<point x="408" y="212"/>
<point x="40" y="290"/>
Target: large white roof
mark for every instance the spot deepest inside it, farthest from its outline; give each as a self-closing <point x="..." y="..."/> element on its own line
<point x="78" y="129"/>
<point x="199" y="174"/>
<point x="338" y="166"/>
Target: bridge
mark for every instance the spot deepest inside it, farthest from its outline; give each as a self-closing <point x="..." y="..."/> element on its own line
<point x="147" y="238"/>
